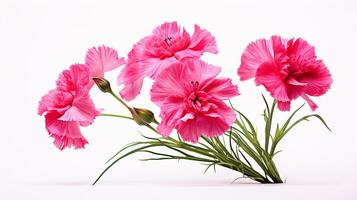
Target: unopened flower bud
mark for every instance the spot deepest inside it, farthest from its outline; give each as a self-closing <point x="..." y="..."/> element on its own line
<point x="103" y="84"/>
<point x="142" y="116"/>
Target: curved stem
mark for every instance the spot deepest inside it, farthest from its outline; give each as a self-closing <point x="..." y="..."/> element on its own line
<point x="268" y="126"/>
<point x="126" y="117"/>
<point x="119" y="99"/>
<point x="113" y="115"/>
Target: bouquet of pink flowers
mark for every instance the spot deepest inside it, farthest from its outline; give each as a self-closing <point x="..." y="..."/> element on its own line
<point x="192" y="98"/>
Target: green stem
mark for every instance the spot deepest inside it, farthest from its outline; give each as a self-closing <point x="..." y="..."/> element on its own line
<point x="119" y="99"/>
<point x="118" y="116"/>
<point x="267" y="157"/>
<point x="268" y="126"/>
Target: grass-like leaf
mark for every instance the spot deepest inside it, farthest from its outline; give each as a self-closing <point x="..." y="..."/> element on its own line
<point x="242" y="150"/>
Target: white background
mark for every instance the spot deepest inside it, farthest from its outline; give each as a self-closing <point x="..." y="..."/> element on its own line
<point x="38" y="39"/>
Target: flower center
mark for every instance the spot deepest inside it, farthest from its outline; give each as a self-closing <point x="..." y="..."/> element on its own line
<point x="194" y="95"/>
<point x="195" y="84"/>
<point x="168" y="40"/>
<point x="63" y="100"/>
<point x="284" y="62"/>
<point x="196" y="100"/>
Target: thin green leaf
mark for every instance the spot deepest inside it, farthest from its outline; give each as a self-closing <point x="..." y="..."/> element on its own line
<point x="121" y="157"/>
<point x="277" y="152"/>
<point x="230" y="144"/>
<point x="123" y="149"/>
<point x="306" y="118"/>
<point x="245" y="158"/>
<point x="210" y="165"/>
<point x="266" y="104"/>
<point x="286" y="124"/>
<point x="268" y="124"/>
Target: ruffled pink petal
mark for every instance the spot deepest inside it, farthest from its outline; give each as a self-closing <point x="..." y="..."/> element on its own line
<point x="197" y="70"/>
<point x="187" y="116"/>
<point x="66" y="134"/>
<point x="217" y="122"/>
<point x="254" y="55"/>
<point x="284" y="105"/>
<point x="179" y="42"/>
<point x="133" y="74"/>
<point x="66" y="142"/>
<point x="186" y="47"/>
<point x="82" y="110"/>
<point x="317" y="79"/>
<point x="211" y="126"/>
<point x="225" y="111"/>
<point x="88" y="123"/>
<point x="294" y="88"/>
<point x="294" y="91"/>
<point x="312" y="105"/>
<point x="168" y="28"/>
<point x="203" y="41"/>
<point x="293" y="81"/>
<point x="102" y="59"/>
<point x="268" y="75"/>
<point x="75" y="79"/>
<point x="132" y="77"/>
<point x="167" y="83"/>
<point x="188" y="130"/>
<point x="152" y="67"/>
<point x="301" y="49"/>
<point x="279" y="45"/>
<point x="172" y="110"/>
<point x="187" y="53"/>
<point x="55" y="100"/>
<point x="131" y="90"/>
<point x="164" y="129"/>
<point x="222" y="89"/>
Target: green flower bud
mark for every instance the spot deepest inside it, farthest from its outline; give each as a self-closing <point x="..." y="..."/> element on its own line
<point x="142" y="116"/>
<point x="103" y="84"/>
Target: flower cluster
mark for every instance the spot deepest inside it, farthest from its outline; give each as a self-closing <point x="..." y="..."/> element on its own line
<point x="69" y="106"/>
<point x="188" y="90"/>
<point x="165" y="46"/>
<point x="288" y="69"/>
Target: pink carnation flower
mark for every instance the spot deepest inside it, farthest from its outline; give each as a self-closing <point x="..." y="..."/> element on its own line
<point x="102" y="59"/>
<point x="191" y="100"/>
<point x="288" y="69"/>
<point x="68" y="107"/>
<point x="166" y="45"/>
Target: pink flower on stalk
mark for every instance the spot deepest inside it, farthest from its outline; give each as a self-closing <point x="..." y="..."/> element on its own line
<point x="68" y="107"/>
<point x="288" y="69"/>
<point x="102" y="59"/>
<point x="191" y="100"/>
<point x="166" y="45"/>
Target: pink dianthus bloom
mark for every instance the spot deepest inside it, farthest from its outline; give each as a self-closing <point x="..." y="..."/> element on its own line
<point x="166" y="45"/>
<point x="191" y="100"/>
<point x="68" y="107"/>
<point x="288" y="69"/>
